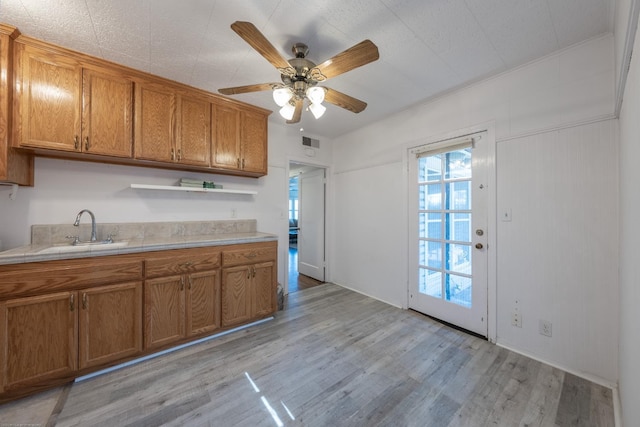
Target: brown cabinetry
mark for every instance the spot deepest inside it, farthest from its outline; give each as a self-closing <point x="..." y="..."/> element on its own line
<point x="172" y="127"/>
<point x="15" y="167"/>
<point x="110" y="323"/>
<point x="185" y="304"/>
<point x="40" y="339"/>
<point x="248" y="283"/>
<point x="63" y="106"/>
<point x="61" y="319"/>
<point x="240" y="139"/>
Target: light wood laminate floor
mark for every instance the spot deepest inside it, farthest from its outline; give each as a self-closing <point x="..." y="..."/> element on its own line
<point x="331" y="358"/>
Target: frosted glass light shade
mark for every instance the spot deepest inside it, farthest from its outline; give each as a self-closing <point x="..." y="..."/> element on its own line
<point x="317" y="110"/>
<point x="287" y="111"/>
<point x="315" y="95"/>
<point x="282" y="95"/>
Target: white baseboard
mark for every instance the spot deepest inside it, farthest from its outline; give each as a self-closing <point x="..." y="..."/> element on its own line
<point x="367" y="295"/>
<point x="593" y="378"/>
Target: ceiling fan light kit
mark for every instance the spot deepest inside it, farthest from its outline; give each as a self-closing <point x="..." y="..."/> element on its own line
<point x="300" y="76"/>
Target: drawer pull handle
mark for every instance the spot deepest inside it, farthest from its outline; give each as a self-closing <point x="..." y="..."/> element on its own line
<point x="186" y="264"/>
<point x="85" y="304"/>
<point x="252" y="255"/>
<point x="71" y="302"/>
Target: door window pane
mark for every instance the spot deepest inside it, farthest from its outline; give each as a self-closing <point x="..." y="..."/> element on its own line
<point x="430" y="253"/>
<point x="430" y="197"/>
<point x="458" y="289"/>
<point x="430" y="282"/>
<point x="457" y="164"/>
<point x="430" y="225"/>
<point x="459" y="258"/>
<point x="458" y="195"/>
<point x="458" y="227"/>
<point x="430" y="168"/>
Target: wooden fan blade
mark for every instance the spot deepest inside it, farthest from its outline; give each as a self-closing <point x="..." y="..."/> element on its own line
<point x="297" y="114"/>
<point x="345" y="101"/>
<point x="259" y="42"/>
<point x="248" y="88"/>
<point x="354" y="57"/>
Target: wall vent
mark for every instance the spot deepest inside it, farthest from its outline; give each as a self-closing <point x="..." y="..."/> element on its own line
<point x="310" y="142"/>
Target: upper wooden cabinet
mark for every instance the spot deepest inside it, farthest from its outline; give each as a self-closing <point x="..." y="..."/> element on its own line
<point x="63" y="106"/>
<point x="15" y="167"/>
<point x="67" y="104"/>
<point x="240" y="139"/>
<point x="172" y="127"/>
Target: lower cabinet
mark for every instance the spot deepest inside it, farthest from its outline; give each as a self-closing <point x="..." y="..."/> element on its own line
<point x="62" y="319"/>
<point x="179" y="306"/>
<point x="249" y="280"/>
<point x="110" y="326"/>
<point x="40" y="339"/>
<point x="52" y="336"/>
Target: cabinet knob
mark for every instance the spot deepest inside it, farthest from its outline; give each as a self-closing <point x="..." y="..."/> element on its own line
<point x="182" y="283"/>
<point x="85" y="304"/>
<point x="86" y="143"/>
<point x="72" y="305"/>
<point x="179" y="154"/>
<point x="173" y="154"/>
<point x="76" y="142"/>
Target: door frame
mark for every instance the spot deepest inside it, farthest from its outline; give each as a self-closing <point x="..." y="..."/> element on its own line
<point x="328" y="222"/>
<point x="492" y="215"/>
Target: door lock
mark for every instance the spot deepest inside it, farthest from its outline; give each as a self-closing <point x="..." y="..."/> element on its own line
<point x="479" y="232"/>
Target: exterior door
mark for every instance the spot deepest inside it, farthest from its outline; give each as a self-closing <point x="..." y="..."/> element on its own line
<point x="311" y="223"/>
<point x="448" y="232"/>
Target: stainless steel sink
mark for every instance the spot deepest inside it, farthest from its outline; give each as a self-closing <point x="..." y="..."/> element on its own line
<point x="82" y="247"/>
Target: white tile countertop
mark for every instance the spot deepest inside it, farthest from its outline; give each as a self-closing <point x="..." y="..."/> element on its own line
<point x="133" y="238"/>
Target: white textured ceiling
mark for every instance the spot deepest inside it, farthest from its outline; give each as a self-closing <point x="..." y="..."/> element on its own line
<point x="426" y="46"/>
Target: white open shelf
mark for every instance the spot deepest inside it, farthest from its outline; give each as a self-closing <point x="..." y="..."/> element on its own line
<point x="191" y="189"/>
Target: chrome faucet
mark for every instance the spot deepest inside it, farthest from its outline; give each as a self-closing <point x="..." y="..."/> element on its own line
<point x="93" y="223"/>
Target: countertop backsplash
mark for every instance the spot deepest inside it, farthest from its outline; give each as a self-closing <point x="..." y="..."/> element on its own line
<point x="54" y="234"/>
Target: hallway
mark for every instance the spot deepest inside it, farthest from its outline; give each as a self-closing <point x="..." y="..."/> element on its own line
<point x="298" y="281"/>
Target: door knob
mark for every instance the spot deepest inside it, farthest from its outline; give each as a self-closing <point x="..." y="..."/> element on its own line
<point x="479" y="246"/>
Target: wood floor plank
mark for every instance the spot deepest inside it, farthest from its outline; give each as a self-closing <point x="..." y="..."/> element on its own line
<point x="335" y="357"/>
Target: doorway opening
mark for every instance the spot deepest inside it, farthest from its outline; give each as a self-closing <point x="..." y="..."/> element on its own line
<point x="307" y="195"/>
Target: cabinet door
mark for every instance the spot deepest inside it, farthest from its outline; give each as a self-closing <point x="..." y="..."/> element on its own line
<point x="236" y="295"/>
<point x="48" y="89"/>
<point x="107" y="125"/>
<point x="253" y="143"/>
<point x="193" y="139"/>
<point x="110" y="323"/>
<point x="226" y="138"/>
<point x="39" y="339"/>
<point x="203" y="297"/>
<point x="164" y="311"/>
<point x="154" y="122"/>
<point x="264" y="289"/>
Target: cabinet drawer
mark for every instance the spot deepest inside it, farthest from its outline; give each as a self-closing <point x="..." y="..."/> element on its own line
<point x="249" y="255"/>
<point x="36" y="278"/>
<point x="184" y="263"/>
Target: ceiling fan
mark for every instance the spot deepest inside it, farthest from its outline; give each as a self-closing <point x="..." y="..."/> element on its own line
<point x="300" y="76"/>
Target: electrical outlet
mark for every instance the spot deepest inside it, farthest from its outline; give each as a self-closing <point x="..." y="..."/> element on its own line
<point x="516" y="319"/>
<point x="545" y="327"/>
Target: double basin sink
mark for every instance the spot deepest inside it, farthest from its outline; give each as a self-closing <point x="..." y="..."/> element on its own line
<point x="82" y="247"/>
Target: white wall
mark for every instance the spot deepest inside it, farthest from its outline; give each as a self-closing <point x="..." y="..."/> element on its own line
<point x="629" y="254"/>
<point x="64" y="187"/>
<point x="546" y="115"/>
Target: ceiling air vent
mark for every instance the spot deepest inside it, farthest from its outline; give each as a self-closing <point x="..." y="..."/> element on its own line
<point x="310" y="142"/>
